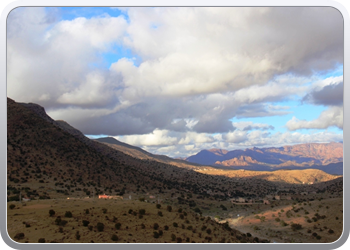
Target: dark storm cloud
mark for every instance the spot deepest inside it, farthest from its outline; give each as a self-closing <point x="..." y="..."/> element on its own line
<point x="328" y="95"/>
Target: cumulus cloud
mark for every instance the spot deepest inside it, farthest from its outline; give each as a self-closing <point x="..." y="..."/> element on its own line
<point x="333" y="116"/>
<point x="189" y="143"/>
<point x="52" y="59"/>
<point x="196" y="69"/>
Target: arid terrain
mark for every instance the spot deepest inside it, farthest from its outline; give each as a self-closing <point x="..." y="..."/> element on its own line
<point x="50" y="161"/>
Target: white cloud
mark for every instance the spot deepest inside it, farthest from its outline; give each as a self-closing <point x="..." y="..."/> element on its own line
<point x="156" y="138"/>
<point x="199" y="67"/>
<point x="333" y="116"/>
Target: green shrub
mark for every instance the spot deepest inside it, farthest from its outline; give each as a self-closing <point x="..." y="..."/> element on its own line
<point x="114" y="237"/>
<point x="19" y="236"/>
<point x="175" y="224"/>
<point x="142" y="211"/>
<point x="86" y="223"/>
<point x="155" y="226"/>
<point x="77" y="235"/>
<point x="155" y="234"/>
<point x="296" y="226"/>
<point x="68" y="214"/>
<point x="169" y="208"/>
<point x="12" y="206"/>
<point x="158" y="206"/>
<point x="51" y="212"/>
<point x="42" y="240"/>
<point x="160" y="213"/>
<point x="58" y="220"/>
<point x="100" y="226"/>
<point x="118" y="225"/>
<point x="104" y="210"/>
<point x="173" y="237"/>
<point x="283" y="223"/>
<point x="166" y="228"/>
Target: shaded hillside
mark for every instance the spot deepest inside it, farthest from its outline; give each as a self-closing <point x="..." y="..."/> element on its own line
<point x="41" y="153"/>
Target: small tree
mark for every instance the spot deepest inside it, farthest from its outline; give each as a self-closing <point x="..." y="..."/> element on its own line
<point x="12" y="206"/>
<point x="42" y="240"/>
<point x="160" y="213"/>
<point x="173" y="237"/>
<point x="158" y="206"/>
<point x="118" y="225"/>
<point x="142" y="211"/>
<point x="169" y="208"/>
<point x="155" y="226"/>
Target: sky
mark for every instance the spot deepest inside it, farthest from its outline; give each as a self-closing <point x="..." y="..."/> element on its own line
<point x="175" y="81"/>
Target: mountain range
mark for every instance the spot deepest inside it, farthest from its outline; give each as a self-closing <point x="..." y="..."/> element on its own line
<point x="324" y="156"/>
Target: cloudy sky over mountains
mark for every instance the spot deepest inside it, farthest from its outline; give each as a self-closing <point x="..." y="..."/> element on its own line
<point x="178" y="80"/>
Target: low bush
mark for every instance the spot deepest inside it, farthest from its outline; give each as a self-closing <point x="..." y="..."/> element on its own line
<point x="86" y="223"/>
<point x="296" y="226"/>
<point x="114" y="237"/>
<point x="68" y="214"/>
<point x="51" y="212"/>
<point x="155" y="234"/>
<point x="19" y="236"/>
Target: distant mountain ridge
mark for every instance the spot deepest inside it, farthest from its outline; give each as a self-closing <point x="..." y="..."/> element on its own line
<point x="308" y="155"/>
